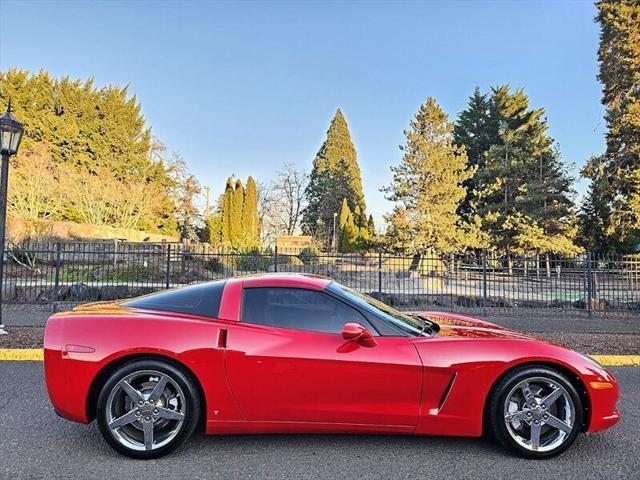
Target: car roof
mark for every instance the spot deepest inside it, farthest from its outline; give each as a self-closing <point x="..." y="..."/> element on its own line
<point x="292" y="280"/>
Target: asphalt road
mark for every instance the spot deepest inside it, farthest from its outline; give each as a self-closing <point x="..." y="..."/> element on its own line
<point x="35" y="443"/>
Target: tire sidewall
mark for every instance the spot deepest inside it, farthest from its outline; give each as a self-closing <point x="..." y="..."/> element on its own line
<point x="185" y="383"/>
<point x="497" y="410"/>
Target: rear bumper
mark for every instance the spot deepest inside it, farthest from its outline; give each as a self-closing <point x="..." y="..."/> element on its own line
<point x="67" y="385"/>
<point x="68" y="379"/>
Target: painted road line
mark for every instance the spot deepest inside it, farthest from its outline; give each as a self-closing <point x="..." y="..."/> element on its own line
<point x="22" y="354"/>
<point x="617" y="360"/>
<point x="36" y="354"/>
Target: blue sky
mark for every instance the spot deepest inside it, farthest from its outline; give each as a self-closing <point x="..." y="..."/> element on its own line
<point x="255" y="84"/>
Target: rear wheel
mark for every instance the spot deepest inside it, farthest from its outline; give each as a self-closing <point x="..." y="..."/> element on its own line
<point x="147" y="408"/>
<point x="535" y="412"/>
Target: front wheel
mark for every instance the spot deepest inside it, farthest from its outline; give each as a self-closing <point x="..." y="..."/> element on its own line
<point x="535" y="411"/>
<point x="147" y="408"/>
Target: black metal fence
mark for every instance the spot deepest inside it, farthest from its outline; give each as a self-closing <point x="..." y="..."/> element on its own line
<point x="62" y="274"/>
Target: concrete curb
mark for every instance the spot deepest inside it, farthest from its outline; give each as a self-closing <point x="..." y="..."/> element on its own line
<point x="37" y="355"/>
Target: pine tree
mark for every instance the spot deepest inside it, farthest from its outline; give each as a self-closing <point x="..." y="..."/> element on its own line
<point x="619" y="56"/>
<point x="595" y="214"/>
<point x="428" y="185"/>
<point x="473" y="132"/>
<point x="335" y="176"/>
<point x="371" y="227"/>
<point x="523" y="191"/>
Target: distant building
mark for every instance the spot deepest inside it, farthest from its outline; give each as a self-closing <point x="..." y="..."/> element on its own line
<point x="293" y="243"/>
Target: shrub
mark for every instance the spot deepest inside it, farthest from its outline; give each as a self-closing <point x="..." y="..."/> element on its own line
<point x="309" y="255"/>
<point x="132" y="273"/>
<point x="253" y="261"/>
<point x="291" y="260"/>
<point x="214" y="265"/>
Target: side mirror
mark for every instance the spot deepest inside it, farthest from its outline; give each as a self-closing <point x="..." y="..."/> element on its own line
<point x="356" y="332"/>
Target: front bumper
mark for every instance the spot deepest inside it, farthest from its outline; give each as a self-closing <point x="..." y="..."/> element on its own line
<point x="603" y="402"/>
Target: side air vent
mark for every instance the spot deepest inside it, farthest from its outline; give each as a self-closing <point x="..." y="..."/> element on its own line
<point x="445" y="394"/>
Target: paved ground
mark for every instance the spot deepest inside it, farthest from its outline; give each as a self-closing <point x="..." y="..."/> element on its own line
<point x="35" y="443"/>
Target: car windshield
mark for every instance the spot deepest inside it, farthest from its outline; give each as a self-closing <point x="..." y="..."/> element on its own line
<point x="416" y="326"/>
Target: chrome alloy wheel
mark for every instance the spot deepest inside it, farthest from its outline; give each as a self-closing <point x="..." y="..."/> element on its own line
<point x="145" y="410"/>
<point x="539" y="414"/>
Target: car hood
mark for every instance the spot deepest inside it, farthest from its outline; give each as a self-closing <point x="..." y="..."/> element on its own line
<point x="452" y="325"/>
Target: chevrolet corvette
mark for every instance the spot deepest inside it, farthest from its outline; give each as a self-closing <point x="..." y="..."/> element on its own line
<point x="293" y="353"/>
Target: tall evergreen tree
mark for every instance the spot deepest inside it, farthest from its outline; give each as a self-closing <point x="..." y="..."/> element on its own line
<point x="595" y="215"/>
<point x="428" y="185"/>
<point x="99" y="133"/>
<point x="473" y="132"/>
<point x="335" y="176"/>
<point x="619" y="56"/>
<point x="371" y="226"/>
<point x="78" y="122"/>
<point x="236" y="215"/>
<point x="238" y="212"/>
<point x="523" y="190"/>
<point x="250" y="222"/>
<point x="348" y="231"/>
<point x="227" y="213"/>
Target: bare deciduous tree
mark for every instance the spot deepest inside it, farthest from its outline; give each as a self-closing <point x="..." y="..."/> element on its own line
<point x="282" y="201"/>
<point x="102" y="198"/>
<point x="34" y="190"/>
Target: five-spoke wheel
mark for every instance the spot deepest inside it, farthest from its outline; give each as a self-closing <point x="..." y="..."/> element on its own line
<point x="535" y="411"/>
<point x="147" y="408"/>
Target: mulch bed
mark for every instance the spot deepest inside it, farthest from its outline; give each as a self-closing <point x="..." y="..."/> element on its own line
<point x="595" y="343"/>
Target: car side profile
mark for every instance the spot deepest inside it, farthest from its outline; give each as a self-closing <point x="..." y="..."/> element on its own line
<point x="293" y="353"/>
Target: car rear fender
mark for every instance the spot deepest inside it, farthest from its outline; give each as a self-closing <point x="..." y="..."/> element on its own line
<point x="73" y="377"/>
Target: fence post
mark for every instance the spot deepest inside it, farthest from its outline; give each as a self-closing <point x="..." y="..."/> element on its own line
<point x="589" y="284"/>
<point x="379" y="274"/>
<point x="57" y="278"/>
<point x="275" y="259"/>
<point x="484" y="282"/>
<point x="168" y="275"/>
<point x="115" y="252"/>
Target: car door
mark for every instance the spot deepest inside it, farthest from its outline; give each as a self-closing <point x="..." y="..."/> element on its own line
<point x="288" y="362"/>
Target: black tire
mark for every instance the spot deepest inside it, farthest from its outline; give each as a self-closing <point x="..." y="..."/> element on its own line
<point x="497" y="426"/>
<point x="182" y="432"/>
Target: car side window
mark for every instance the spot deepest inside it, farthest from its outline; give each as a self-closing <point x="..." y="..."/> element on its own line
<point x="298" y="309"/>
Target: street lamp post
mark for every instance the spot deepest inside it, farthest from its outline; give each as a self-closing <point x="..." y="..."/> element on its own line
<point x="335" y="246"/>
<point x="10" y="136"/>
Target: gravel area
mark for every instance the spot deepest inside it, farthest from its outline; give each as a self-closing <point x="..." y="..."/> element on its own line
<point x="22" y="337"/>
<point x="595" y="343"/>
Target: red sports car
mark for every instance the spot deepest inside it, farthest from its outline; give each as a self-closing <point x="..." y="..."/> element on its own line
<point x="280" y="353"/>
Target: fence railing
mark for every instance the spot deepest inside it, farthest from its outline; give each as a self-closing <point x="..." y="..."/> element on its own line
<point x="61" y="274"/>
